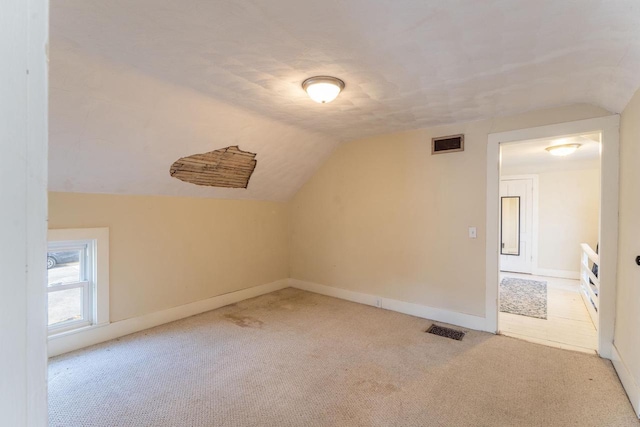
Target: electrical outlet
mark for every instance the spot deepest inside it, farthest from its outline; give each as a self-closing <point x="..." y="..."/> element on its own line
<point x="473" y="233"/>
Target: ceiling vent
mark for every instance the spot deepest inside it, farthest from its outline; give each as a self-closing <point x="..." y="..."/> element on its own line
<point x="447" y="144"/>
<point x="228" y="167"/>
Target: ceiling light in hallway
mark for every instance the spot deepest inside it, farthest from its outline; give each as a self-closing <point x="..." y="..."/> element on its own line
<point x="562" y="150"/>
<point x="323" y="89"/>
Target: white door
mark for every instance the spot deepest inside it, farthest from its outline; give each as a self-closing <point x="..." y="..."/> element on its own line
<point x="516" y="225"/>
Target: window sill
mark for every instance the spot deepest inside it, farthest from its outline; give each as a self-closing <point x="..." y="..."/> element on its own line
<point x="77" y="331"/>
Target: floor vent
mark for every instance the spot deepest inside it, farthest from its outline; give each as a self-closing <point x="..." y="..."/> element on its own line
<point x="446" y="332"/>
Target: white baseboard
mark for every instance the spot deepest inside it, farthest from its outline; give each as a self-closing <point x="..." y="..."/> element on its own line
<point x="561" y="274"/>
<point x="626" y="378"/>
<point x="94" y="335"/>
<point x="431" y="313"/>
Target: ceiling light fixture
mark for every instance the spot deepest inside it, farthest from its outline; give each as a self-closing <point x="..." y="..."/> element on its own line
<point x="562" y="150"/>
<point x="323" y="89"/>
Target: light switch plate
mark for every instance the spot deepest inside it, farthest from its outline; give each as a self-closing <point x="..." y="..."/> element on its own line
<point x="473" y="232"/>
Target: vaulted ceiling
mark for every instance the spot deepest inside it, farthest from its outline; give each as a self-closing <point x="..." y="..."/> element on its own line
<point x="137" y="84"/>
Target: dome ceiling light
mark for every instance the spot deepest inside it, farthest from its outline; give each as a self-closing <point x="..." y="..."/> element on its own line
<point x="323" y="89"/>
<point x="562" y="150"/>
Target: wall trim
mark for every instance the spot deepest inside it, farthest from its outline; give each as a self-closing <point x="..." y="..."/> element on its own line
<point x="627" y="380"/>
<point x="84" y="338"/>
<point x="426" y="312"/>
<point x="561" y="274"/>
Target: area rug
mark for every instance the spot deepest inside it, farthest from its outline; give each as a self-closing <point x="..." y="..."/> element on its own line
<point x="523" y="297"/>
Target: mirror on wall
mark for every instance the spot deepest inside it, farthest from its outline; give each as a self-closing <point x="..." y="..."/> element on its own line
<point x="510" y="226"/>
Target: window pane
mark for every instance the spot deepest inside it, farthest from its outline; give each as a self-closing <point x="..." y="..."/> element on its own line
<point x="64" y="266"/>
<point x="65" y="305"/>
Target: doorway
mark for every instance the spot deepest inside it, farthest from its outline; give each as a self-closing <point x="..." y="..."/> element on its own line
<point x="606" y="239"/>
<point x="548" y="212"/>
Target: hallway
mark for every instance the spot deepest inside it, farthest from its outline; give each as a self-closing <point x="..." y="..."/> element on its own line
<point x="568" y="324"/>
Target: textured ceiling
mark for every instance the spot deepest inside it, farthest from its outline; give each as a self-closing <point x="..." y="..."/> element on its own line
<point x="115" y="130"/>
<point x="406" y="65"/>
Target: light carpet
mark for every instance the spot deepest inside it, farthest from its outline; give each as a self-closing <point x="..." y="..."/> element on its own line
<point x="523" y="297"/>
<point x="294" y="358"/>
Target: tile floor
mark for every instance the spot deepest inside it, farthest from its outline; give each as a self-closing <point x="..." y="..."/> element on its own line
<point x="568" y="324"/>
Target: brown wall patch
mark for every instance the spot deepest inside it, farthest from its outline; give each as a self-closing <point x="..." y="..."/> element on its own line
<point x="227" y="167"/>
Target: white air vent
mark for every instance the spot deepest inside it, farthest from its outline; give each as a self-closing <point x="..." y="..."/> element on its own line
<point x="447" y="144"/>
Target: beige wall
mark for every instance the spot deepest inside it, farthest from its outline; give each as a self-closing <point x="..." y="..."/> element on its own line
<point x="385" y="217"/>
<point x="568" y="215"/>
<point x="627" y="332"/>
<point x="382" y="216"/>
<point x="169" y="251"/>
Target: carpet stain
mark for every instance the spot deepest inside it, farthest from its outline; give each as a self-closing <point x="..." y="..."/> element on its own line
<point x="244" y="321"/>
<point x="291" y="302"/>
<point x="377" y="387"/>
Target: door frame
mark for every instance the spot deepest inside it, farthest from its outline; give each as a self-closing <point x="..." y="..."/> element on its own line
<point x="534" y="219"/>
<point x="608" y="126"/>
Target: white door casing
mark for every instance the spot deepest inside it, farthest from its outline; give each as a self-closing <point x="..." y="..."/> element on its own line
<point x="609" y="165"/>
<point x="24" y="104"/>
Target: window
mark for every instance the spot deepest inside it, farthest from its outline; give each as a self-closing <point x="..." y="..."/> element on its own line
<point x="70" y="284"/>
<point x="77" y="285"/>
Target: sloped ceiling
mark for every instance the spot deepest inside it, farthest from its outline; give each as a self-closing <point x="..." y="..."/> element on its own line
<point x="137" y="84"/>
<point x="115" y="130"/>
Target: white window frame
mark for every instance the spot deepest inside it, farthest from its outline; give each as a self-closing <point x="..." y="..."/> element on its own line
<point x="86" y="282"/>
<point x="96" y="283"/>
